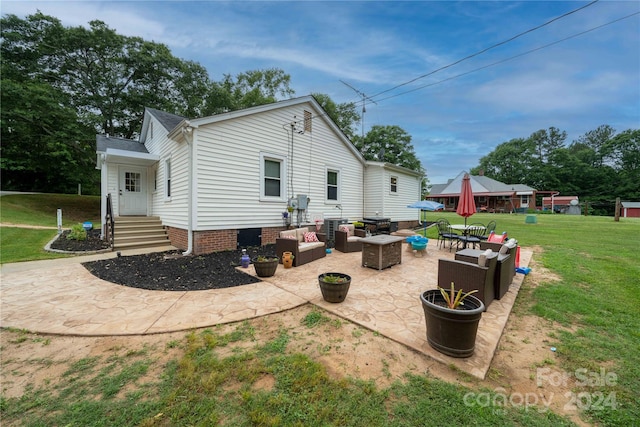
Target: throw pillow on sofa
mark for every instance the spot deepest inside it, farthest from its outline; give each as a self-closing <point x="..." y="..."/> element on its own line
<point x="310" y="237"/>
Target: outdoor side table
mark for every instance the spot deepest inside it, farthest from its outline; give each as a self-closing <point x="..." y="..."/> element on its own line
<point x="381" y="251"/>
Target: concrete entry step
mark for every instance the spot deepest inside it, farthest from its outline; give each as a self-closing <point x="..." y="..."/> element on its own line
<point x="139" y="232"/>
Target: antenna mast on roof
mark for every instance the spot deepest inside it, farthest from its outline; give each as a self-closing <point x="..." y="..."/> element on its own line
<point x="364" y="100"/>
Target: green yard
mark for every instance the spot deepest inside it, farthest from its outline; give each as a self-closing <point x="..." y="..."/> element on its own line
<point x="595" y="258"/>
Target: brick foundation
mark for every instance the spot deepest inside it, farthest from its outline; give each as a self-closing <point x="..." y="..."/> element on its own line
<point x="178" y="237"/>
<point x="205" y="242"/>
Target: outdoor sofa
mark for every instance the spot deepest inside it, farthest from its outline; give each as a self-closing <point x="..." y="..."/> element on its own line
<point x="300" y="243"/>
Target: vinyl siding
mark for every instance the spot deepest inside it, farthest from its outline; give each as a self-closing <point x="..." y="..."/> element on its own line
<point x="228" y="165"/>
<point x="378" y="196"/>
<point x="173" y="211"/>
<point x="374" y="191"/>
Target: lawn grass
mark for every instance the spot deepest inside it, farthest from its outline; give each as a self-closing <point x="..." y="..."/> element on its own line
<point x="22" y="244"/>
<point x="251" y="384"/>
<point x="595" y="258"/>
<point x="597" y="295"/>
<point x="41" y="209"/>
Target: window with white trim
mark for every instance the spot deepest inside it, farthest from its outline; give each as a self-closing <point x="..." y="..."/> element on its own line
<point x="333" y="185"/>
<point x="155" y="179"/>
<point x="133" y="182"/>
<point x="393" y="184"/>
<point x="272" y="177"/>
<point x="167" y="171"/>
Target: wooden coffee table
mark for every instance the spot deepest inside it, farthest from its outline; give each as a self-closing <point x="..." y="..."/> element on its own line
<point x="381" y="251"/>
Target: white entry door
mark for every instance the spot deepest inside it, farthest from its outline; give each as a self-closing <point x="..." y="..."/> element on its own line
<point x="132" y="191"/>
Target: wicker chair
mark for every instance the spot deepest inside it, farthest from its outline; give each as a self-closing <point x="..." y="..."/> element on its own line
<point x="349" y="241"/>
<point x="469" y="276"/>
<point x="506" y="269"/>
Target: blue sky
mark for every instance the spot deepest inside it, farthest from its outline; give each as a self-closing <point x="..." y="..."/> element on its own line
<point x="575" y="85"/>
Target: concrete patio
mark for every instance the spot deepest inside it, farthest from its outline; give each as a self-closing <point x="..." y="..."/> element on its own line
<point x="62" y="297"/>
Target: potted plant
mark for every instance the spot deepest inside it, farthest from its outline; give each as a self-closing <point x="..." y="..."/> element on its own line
<point x="287" y="259"/>
<point x="334" y="286"/>
<point x="265" y="265"/>
<point x="452" y="320"/>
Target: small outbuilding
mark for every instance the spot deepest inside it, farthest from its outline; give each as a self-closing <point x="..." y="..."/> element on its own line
<point x="630" y="209"/>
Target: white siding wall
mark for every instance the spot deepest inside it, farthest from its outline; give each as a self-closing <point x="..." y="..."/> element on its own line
<point x="395" y="206"/>
<point x="112" y="186"/>
<point x="374" y="190"/>
<point x="379" y="198"/>
<point x="228" y="165"/>
<point x="173" y="211"/>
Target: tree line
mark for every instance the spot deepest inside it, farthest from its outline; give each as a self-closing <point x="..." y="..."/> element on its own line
<point x="63" y="85"/>
<point x="597" y="167"/>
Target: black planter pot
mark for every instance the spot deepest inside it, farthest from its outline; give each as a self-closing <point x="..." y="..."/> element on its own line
<point x="451" y="332"/>
<point x="265" y="268"/>
<point x="334" y="291"/>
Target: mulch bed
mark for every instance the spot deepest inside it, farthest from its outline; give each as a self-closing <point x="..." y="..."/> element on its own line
<point x="166" y="271"/>
<point x="172" y="271"/>
<point x="92" y="242"/>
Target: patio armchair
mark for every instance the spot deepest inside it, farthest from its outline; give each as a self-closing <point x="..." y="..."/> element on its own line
<point x="506" y="269"/>
<point x="347" y="238"/>
<point x="300" y="243"/>
<point x="469" y="276"/>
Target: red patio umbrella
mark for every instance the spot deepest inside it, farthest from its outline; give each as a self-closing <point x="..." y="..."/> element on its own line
<point x="466" y="204"/>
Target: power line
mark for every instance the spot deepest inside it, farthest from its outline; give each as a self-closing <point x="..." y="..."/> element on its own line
<point x="495" y="63"/>
<point x="510" y="58"/>
<point x="486" y="49"/>
<point x="364" y="101"/>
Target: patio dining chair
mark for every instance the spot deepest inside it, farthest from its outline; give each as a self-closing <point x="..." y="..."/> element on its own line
<point x="446" y="233"/>
<point x="472" y="235"/>
<point x="491" y="226"/>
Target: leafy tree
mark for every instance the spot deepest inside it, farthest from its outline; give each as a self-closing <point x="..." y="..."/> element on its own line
<point x="62" y="85"/>
<point x="43" y="147"/>
<point x="344" y="115"/>
<point x="249" y="89"/>
<point x="624" y="150"/>
<point x="509" y="162"/>
<point x="390" y="144"/>
<point x="597" y="140"/>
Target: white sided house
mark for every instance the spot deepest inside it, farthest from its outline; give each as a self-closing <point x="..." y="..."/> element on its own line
<point x="226" y="181"/>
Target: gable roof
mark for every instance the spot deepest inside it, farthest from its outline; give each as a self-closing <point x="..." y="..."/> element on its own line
<point x="168" y="120"/>
<point x="480" y="185"/>
<point x="104" y="142"/>
<point x="320" y="114"/>
<point x="392" y="167"/>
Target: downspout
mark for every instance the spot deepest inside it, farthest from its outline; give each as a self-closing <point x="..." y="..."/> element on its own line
<point x="420" y="198"/>
<point x="104" y="189"/>
<point x="187" y="133"/>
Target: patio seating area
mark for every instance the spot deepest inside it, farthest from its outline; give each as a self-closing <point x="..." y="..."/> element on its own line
<point x="62" y="297"/>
